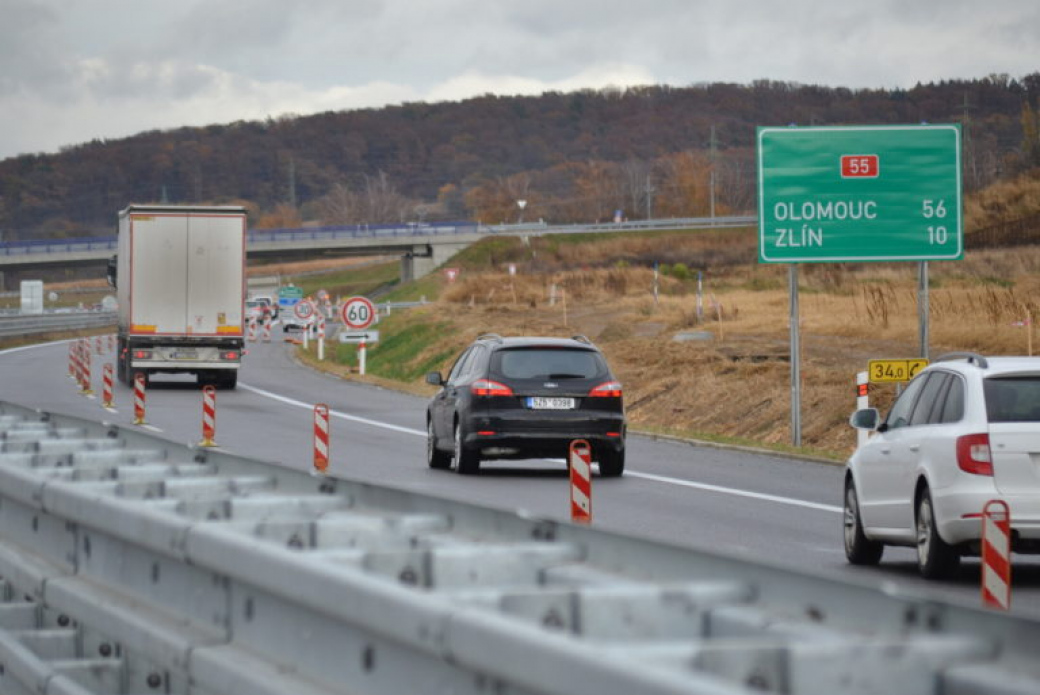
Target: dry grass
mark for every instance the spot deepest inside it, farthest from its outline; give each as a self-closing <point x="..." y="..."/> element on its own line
<point x="737" y="383"/>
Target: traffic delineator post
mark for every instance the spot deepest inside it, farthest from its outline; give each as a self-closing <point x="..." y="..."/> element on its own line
<point x="996" y="555"/>
<point x="321" y="337"/>
<point x="321" y="437"/>
<point x="266" y="337"/>
<point x="209" y="416"/>
<point x="106" y="386"/>
<point x="862" y="401"/>
<point x="251" y="336"/>
<point x="581" y="481"/>
<point x="84" y="383"/>
<point x="139" y="398"/>
<point x="362" y="353"/>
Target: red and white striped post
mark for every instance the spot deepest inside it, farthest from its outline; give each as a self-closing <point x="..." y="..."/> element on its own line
<point x="77" y="361"/>
<point x="106" y="386"/>
<point x="209" y="416"/>
<point x="266" y="337"/>
<point x="321" y="437"/>
<point x="139" y="399"/>
<point x="996" y="555"/>
<point x="362" y="352"/>
<point x="72" y="361"/>
<point x="97" y="344"/>
<point x="581" y="481"/>
<point x="252" y="329"/>
<point x="84" y="372"/>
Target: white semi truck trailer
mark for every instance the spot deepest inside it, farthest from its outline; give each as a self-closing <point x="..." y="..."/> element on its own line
<point x="179" y="275"/>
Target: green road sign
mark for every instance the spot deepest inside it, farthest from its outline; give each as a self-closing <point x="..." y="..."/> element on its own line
<point x="871" y="193"/>
<point x="290" y="292"/>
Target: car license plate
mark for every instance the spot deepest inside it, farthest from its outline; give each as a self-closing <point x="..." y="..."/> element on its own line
<point x="184" y="355"/>
<point x="546" y="403"/>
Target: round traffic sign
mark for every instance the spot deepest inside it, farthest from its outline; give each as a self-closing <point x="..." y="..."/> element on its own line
<point x="357" y="313"/>
<point x="303" y="309"/>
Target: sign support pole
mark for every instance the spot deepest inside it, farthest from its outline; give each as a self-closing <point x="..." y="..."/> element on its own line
<point x="922" y="306"/>
<point x="796" y="366"/>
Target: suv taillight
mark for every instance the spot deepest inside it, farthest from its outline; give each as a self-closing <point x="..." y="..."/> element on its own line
<point x="973" y="454"/>
<point x="609" y="389"/>
<point x="486" y="387"/>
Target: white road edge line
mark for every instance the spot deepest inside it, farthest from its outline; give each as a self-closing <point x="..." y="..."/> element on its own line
<point x="733" y="491"/>
<point x="335" y="413"/>
<point x="635" y="474"/>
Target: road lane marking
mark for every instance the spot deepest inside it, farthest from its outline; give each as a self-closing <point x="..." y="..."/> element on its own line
<point x="635" y="474"/>
<point x="734" y="491"/>
<point x="334" y="413"/>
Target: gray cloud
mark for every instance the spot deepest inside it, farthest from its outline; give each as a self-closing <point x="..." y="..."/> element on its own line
<point x="73" y="70"/>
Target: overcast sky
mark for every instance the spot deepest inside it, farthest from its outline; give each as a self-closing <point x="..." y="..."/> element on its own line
<point x="75" y="70"/>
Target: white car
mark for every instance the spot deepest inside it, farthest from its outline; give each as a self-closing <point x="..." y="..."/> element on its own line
<point x="966" y="430"/>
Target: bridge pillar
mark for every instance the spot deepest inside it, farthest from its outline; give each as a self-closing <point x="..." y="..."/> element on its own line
<point x="415" y="266"/>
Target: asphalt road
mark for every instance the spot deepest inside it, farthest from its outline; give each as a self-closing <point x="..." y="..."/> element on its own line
<point x="767" y="508"/>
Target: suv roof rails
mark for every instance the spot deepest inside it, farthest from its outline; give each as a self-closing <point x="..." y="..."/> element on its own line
<point x="489" y="336"/>
<point x="581" y="338"/>
<point x="971" y="357"/>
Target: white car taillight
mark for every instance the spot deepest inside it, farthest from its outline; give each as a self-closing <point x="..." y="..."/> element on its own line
<point x="974" y="455"/>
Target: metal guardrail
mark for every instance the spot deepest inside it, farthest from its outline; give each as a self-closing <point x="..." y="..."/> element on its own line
<point x="132" y="565"/>
<point x="267" y="236"/>
<point x="33" y="324"/>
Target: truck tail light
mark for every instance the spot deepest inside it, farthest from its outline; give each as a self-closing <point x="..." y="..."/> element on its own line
<point x="974" y="455"/>
<point x="487" y="387"/>
<point x="142" y="354"/>
<point x="608" y="389"/>
<point x="230" y="355"/>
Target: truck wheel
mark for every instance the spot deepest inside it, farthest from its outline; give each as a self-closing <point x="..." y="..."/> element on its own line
<point x="229" y="379"/>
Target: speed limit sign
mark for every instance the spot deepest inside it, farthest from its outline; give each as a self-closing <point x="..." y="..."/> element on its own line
<point x="303" y="310"/>
<point x="357" y="313"/>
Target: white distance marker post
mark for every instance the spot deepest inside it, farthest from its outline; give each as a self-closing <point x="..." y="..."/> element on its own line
<point x="321" y="338"/>
<point x="862" y="401"/>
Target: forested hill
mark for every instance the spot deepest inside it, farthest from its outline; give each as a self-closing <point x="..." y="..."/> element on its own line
<point x="570" y="156"/>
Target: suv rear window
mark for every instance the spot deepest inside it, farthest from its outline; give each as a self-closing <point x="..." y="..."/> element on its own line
<point x="1014" y="399"/>
<point x="547" y="363"/>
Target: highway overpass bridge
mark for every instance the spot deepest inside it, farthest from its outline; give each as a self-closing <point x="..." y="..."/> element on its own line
<point x="421" y="247"/>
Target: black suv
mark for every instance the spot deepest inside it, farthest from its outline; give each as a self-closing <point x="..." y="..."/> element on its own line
<point x="517" y="398"/>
